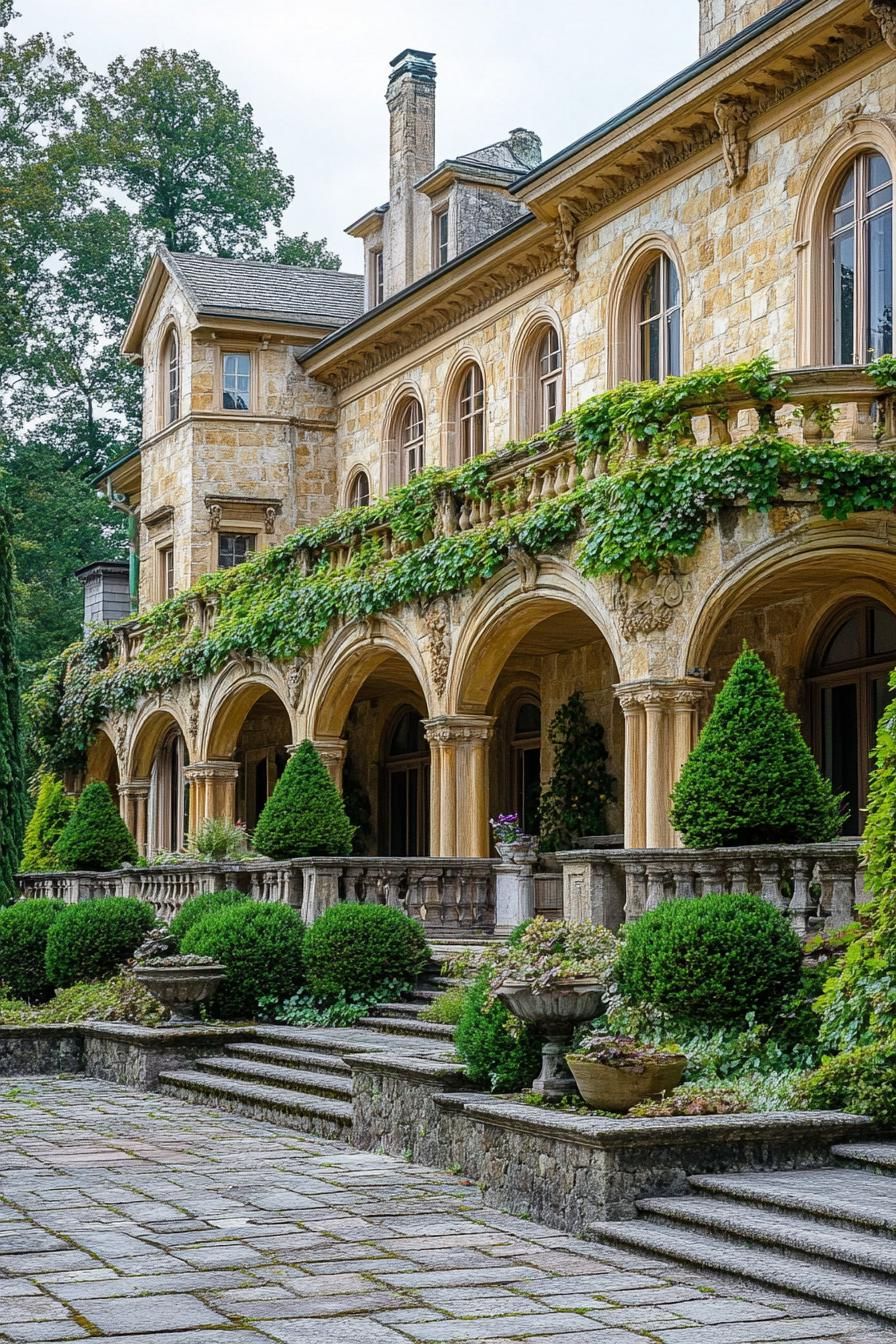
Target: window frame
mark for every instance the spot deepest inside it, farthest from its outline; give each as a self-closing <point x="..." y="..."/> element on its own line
<point x="376" y="283"/>
<point x="401" y="444"/>
<point x="359" y="474"/>
<point x="441" y="238"/>
<point x="533" y="384"/>
<point x="164" y="580"/>
<point x="661" y="318"/>
<point x="230" y="532"/>
<point x="225" y="353"/>
<point x="171" y="374"/>
<point x="470" y="413"/>
<point x="857" y="229"/>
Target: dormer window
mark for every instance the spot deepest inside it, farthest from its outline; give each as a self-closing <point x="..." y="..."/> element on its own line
<point x="440" y="238"/>
<point x="172" y="379"/>
<point x="376" y="278"/>
<point x="237" y="372"/>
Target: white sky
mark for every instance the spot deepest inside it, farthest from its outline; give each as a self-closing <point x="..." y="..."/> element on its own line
<point x="316" y="73"/>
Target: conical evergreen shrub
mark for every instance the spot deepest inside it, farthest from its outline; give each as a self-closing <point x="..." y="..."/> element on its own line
<point x="51" y="812"/>
<point x="12" y="774"/>
<point x="305" y="814"/>
<point x="751" y="779"/>
<point x="575" y="801"/>
<point x="95" y="839"/>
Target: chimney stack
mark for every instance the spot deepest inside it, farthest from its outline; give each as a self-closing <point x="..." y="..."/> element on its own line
<point x="411" y="99"/>
<point x="720" y="20"/>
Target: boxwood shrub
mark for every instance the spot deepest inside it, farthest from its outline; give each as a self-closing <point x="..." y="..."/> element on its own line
<point x="91" y="940"/>
<point x="261" y="946"/>
<point x="23" y="947"/>
<point x="710" y="961"/>
<point x="355" y="948"/>
<point x="197" y="907"/>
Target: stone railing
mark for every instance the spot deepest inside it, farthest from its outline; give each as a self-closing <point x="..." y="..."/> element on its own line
<point x="448" y="896"/>
<point x="816" y="886"/>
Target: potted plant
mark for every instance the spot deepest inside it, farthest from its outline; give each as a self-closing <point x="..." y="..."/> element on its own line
<point x="614" y="1073"/>
<point x="511" y="842"/>
<point x="180" y="983"/>
<point x="555" y="975"/>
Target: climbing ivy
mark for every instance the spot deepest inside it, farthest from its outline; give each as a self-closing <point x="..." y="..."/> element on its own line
<point x="635" y="514"/>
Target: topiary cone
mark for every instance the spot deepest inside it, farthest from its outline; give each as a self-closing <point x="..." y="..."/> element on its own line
<point x="95" y="838"/>
<point x="52" y="810"/>
<point x="751" y="779"/>
<point x="305" y="814"/>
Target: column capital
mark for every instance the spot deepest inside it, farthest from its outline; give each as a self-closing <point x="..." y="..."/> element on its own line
<point x="460" y="728"/>
<point x="212" y="770"/>
<point x="133" y="788"/>
<point x="328" y="748"/>
<point x="665" y="691"/>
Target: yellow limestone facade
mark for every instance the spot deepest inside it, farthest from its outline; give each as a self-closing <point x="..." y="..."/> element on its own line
<point x="499" y="291"/>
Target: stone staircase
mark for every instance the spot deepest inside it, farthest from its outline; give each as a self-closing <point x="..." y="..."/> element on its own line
<point x="828" y="1233"/>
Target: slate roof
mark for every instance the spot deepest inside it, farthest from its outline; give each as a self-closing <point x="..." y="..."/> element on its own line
<point x="498" y="155"/>
<point x="228" y="287"/>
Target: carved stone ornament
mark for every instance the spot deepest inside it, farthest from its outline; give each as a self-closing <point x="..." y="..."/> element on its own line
<point x="194" y="696"/>
<point x="296" y="682"/>
<point x="733" y="120"/>
<point x="647" y="602"/>
<point x="437" y="623"/>
<point x="565" y="242"/>
<point x="270" y="514"/>
<point x="214" y="515"/>
<point x="885" y="13"/>
<point x="526" y="565"/>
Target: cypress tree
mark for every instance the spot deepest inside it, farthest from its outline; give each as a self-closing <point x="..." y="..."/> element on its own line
<point x="305" y="813"/>
<point x="575" y="801"/>
<point x="751" y="779"/>
<point x="12" y="773"/>
<point x="51" y="812"/>
<point x="95" y="839"/>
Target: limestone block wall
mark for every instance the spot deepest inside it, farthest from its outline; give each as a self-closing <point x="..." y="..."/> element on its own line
<point x="721" y="20"/>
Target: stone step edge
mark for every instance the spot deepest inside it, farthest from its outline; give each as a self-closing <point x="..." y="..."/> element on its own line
<point x="879" y="1156"/>
<point x="298" y="1080"/>
<point x="331" y="1063"/>
<point x="407" y="1026"/>
<point x="796" y="1202"/>
<point x="279" y="1098"/>
<point x="843" y="1288"/>
<point x="801" y="1237"/>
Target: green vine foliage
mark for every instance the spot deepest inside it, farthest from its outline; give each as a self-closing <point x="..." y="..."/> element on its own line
<point x="635" y="514"/>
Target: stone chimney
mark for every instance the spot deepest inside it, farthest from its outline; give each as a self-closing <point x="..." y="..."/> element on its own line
<point x="525" y="146"/>
<point x="411" y="99"/>
<point x="724" y="19"/>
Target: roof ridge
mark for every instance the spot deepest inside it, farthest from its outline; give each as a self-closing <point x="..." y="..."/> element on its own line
<point x="269" y="265"/>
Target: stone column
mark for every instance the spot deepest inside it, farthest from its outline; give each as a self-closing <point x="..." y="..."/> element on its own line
<point x="332" y="751"/>
<point x="459" y="747"/>
<point x="133" y="799"/>
<point x="212" y="790"/>
<point x="660" y="730"/>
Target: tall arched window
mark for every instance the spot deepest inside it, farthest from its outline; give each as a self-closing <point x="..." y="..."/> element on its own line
<point x="172" y="378"/>
<point x="550" y="376"/>
<point x="359" y="491"/>
<point x="539" y="380"/>
<point x="169" y="795"/>
<point x="659" y="320"/>
<point x="407" y="441"/>
<point x="861" y="249"/>
<point x="471" y="413"/>
<point x="407" y="788"/>
<point x="849" y="680"/>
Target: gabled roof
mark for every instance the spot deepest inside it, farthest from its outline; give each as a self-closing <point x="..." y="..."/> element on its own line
<point x="255" y="290"/>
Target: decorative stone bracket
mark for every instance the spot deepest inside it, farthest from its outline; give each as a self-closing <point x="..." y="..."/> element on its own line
<point x="733" y="120"/>
<point x="885" y="13"/>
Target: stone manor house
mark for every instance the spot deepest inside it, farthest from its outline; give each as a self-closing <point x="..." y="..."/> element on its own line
<point x="744" y="206"/>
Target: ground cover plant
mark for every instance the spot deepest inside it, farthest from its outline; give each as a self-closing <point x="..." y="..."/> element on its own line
<point x="117" y="999"/>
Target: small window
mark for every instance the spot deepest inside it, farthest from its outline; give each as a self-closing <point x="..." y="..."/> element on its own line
<point x="550" y="372"/>
<point x="234" y="548"/>
<point x="659" y="321"/>
<point x="377" y="285"/>
<point x="861" y="242"/>
<point x="172" y="379"/>
<point x="165" y="562"/>
<point x="237" y="370"/>
<point x="471" y="414"/>
<point x="359" y="491"/>
<point x="410" y="440"/>
<point x="440" y="238"/>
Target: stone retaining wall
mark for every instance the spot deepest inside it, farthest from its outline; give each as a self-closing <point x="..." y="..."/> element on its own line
<point x="56" y="1049"/>
<point x="120" y="1052"/>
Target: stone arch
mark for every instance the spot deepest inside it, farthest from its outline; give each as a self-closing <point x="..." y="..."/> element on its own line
<point x="506" y="610"/>
<point x="102" y="761"/>
<point x="810" y="229"/>
<point x="522" y="354"/>
<point x="622" y="357"/>
<point x="347" y="660"/>
<point x="230" y="700"/>
<point x="149" y="727"/>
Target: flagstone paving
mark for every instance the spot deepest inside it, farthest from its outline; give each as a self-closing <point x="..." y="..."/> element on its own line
<point x="135" y="1218"/>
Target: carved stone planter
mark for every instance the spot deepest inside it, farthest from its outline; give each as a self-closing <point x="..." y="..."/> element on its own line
<point x="608" y="1087"/>
<point x="556" y="1012"/>
<point x="181" y="988"/>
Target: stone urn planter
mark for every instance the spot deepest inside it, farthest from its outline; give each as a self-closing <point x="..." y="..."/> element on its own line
<point x="181" y="984"/>
<point x="517" y="851"/>
<point x="613" y="1087"/>
<point x="556" y="1011"/>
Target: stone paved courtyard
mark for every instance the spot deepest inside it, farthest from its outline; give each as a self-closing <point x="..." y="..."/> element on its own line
<point x="127" y="1216"/>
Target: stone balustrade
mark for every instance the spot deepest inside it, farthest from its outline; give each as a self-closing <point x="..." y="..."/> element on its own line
<point x="816" y="886"/>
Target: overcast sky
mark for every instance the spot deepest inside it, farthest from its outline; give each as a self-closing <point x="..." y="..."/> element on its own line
<point x="316" y="74"/>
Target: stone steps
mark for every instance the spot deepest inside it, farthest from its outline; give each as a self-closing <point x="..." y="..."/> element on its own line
<point x="406" y="1008"/>
<point x="300" y="1058"/>
<point x="323" y="1116"/>
<point x="260" y="1071"/>
<point x="850" y="1200"/>
<point x="407" y="1026"/>
<point x="876" y="1156"/>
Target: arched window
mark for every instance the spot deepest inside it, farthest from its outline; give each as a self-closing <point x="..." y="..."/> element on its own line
<point x="861" y="251"/>
<point x="849" y="679"/>
<point x="539" y="379"/>
<point x="359" y="491"/>
<point x="550" y="376"/>
<point x="471" y="413"/>
<point x="406" y="441"/>
<point x="407" y="790"/>
<point x="659" y="320"/>
<point x="172" y="378"/>
<point x="169" y="796"/>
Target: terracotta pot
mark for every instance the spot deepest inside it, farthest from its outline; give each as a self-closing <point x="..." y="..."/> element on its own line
<point x="556" y="1012"/>
<point x="181" y="988"/>
<point x="610" y="1088"/>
